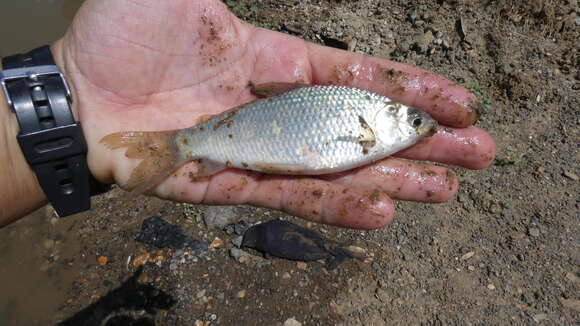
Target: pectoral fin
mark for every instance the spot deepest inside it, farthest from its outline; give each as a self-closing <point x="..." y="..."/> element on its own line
<point x="274" y="88"/>
<point x="367" y="138"/>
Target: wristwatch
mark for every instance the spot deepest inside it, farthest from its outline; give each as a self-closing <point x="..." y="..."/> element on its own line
<point x="51" y="140"/>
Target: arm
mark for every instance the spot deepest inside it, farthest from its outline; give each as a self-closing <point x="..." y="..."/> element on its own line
<point x="20" y="193"/>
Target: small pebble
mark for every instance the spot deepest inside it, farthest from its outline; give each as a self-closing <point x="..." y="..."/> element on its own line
<point x="244" y="259"/>
<point x="572" y="304"/>
<point x="356" y="250"/>
<point x="292" y="322"/>
<point x="468" y="255"/>
<point x="571" y="175"/>
<point x="286" y="275"/>
<point x="471" y="268"/>
<point x="102" y="260"/>
<point x="236" y="253"/>
<point x="217" y="242"/>
<point x="540" y="317"/>
<point x="241" y="294"/>
<point x="237" y="241"/>
<point x="301" y="265"/>
<point x="48" y="244"/>
<point x="141" y="259"/>
<point x="491" y="286"/>
<point x="534" y="232"/>
<point x="572" y="277"/>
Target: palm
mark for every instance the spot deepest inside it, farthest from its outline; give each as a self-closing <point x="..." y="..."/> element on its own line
<point x="158" y="65"/>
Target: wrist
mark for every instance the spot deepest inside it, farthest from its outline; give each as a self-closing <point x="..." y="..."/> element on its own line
<point x="20" y="191"/>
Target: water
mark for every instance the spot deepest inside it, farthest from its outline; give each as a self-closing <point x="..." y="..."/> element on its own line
<point x="30" y="294"/>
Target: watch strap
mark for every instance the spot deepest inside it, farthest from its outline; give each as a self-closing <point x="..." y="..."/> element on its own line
<point x="51" y="140"/>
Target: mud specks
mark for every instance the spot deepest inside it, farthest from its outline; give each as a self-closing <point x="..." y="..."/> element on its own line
<point x="214" y="42"/>
<point x="450" y="178"/>
<point x="393" y="74"/>
<point x="375" y="196"/>
<point x="245" y="165"/>
<point x="317" y="193"/>
<point x="449" y="131"/>
<point x="396" y="80"/>
<point x="429" y="193"/>
<point x="343" y="74"/>
<point x="476" y="110"/>
<point x="239" y="186"/>
<point x="274" y="169"/>
<point x="226" y="121"/>
<point x="426" y="172"/>
<point x="212" y="30"/>
<point x="230" y="136"/>
<point x="343" y="210"/>
<point x="193" y="177"/>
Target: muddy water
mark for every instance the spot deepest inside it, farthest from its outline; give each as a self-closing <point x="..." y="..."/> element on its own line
<point x="34" y="275"/>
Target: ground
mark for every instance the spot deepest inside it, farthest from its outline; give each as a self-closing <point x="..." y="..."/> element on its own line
<point x="504" y="251"/>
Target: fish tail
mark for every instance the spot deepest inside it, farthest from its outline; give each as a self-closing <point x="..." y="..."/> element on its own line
<point x="158" y="154"/>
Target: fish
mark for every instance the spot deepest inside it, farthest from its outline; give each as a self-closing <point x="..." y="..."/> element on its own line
<point x="287" y="240"/>
<point x="295" y="129"/>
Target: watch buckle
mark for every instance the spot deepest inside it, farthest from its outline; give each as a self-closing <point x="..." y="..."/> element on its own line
<point x="31" y="73"/>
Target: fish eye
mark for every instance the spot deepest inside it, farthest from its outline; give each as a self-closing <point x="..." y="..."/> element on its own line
<point x="392" y="109"/>
<point x="417" y="122"/>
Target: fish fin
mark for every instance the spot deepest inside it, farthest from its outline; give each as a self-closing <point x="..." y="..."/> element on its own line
<point x="269" y="168"/>
<point x="206" y="168"/>
<point x="367" y="138"/>
<point x="274" y="88"/>
<point x="203" y="118"/>
<point x="159" y="156"/>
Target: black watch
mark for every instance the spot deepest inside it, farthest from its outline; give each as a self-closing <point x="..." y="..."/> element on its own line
<point x="51" y="140"/>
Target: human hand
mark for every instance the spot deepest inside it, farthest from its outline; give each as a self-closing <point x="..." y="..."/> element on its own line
<point x="161" y="65"/>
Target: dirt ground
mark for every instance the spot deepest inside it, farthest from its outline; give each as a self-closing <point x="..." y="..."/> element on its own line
<point x="504" y="251"/>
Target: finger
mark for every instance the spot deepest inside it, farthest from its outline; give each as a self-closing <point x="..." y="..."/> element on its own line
<point x="316" y="200"/>
<point x="446" y="101"/>
<point x="403" y="180"/>
<point x="470" y="148"/>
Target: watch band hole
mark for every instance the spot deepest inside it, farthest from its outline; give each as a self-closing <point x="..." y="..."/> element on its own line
<point x="41" y="103"/>
<point x="52" y="145"/>
<point x="43" y="112"/>
<point x="65" y="182"/>
<point x="60" y="167"/>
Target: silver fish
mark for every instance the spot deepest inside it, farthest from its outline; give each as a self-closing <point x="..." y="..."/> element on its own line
<point x="308" y="130"/>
